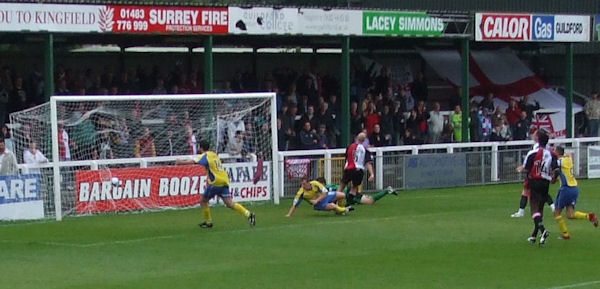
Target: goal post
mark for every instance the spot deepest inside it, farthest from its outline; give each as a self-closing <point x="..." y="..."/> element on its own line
<point x="101" y="138"/>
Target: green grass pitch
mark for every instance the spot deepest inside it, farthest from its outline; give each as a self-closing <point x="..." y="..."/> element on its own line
<point x="446" y="238"/>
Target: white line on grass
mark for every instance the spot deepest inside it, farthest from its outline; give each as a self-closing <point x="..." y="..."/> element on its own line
<point x="577" y="285"/>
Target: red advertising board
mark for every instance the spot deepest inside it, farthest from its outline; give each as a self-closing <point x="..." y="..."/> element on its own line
<point x="503" y="27"/>
<point x="147" y="188"/>
<point x="165" y="187"/>
<point x="164" y="19"/>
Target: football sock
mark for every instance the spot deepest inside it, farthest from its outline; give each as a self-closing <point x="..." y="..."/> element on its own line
<point x="341" y="202"/>
<point x="581" y="216"/>
<point x="207" y="215"/>
<point x="562" y="226"/>
<point x="380" y="195"/>
<point x="339" y="209"/>
<point x="240" y="209"/>
<point x="523" y="203"/>
<point x="537" y="224"/>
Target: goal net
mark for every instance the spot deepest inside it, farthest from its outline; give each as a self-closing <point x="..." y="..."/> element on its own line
<point x="117" y="153"/>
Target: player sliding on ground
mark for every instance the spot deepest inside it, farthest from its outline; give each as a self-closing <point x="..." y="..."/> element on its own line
<point x="317" y="195"/>
<point x="568" y="194"/>
<point x="359" y="199"/>
<point x="218" y="185"/>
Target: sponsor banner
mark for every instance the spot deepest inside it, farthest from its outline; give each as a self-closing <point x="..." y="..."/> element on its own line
<point x="20" y="197"/>
<point x="263" y="21"/>
<point x="593" y="162"/>
<point x="435" y="171"/>
<point x="502" y="27"/>
<point x="165" y="19"/>
<point x="528" y="27"/>
<point x="596" y="30"/>
<point x="164" y="187"/>
<point x="113" y="18"/>
<point x="401" y="23"/>
<point x="50" y="17"/>
<point x="329" y="22"/>
<point x="297" y="168"/>
<point x="572" y="28"/>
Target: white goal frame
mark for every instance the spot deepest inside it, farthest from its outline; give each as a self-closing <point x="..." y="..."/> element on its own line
<point x="56" y="164"/>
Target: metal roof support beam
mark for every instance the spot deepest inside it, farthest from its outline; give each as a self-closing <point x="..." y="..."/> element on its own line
<point x="464" y="89"/>
<point x="345" y="97"/>
<point x="48" y="66"/>
<point x="569" y="88"/>
<point x="208" y="64"/>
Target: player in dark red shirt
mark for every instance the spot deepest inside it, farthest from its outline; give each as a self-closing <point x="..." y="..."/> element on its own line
<point x="357" y="158"/>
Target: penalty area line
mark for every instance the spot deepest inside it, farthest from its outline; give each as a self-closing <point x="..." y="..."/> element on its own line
<point x="577" y="285"/>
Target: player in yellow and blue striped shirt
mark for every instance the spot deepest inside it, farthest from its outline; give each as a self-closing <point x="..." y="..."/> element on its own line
<point x="218" y="185"/>
<point x="317" y="195"/>
<point x="568" y="194"/>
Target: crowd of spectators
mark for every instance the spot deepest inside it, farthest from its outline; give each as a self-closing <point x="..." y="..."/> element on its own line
<point x="309" y="111"/>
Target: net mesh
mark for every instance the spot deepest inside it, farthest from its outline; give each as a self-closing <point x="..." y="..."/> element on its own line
<point x="238" y="129"/>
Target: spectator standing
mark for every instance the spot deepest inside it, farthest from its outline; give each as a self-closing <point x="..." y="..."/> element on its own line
<point x="310" y="117"/>
<point x="522" y="127"/>
<point x="387" y="123"/>
<point x="410" y="138"/>
<point x="308" y="138"/>
<point x="144" y="145"/>
<point x="371" y="118"/>
<point x="34" y="156"/>
<point x="435" y="124"/>
<point x="5" y="133"/>
<point x="168" y="145"/>
<point x="487" y="104"/>
<point x="486" y="125"/>
<point x="456" y="122"/>
<point x="528" y="107"/>
<point x="399" y="124"/>
<point x="377" y="139"/>
<point x="323" y="141"/>
<point x="407" y="99"/>
<point x="64" y="146"/>
<point x="18" y="97"/>
<point x="8" y="161"/>
<point x="356" y="119"/>
<point x="475" y="123"/>
<point x="513" y="114"/>
<point x="592" y="112"/>
<point x="421" y="120"/>
<point x="236" y="145"/>
<point x="282" y="136"/>
<point x="4" y="100"/>
<point x="191" y="140"/>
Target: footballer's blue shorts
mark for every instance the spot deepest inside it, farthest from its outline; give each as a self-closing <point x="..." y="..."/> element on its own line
<point x="212" y="191"/>
<point x="567" y="196"/>
<point x="320" y="206"/>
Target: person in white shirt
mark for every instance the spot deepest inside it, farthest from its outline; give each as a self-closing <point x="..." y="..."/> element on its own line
<point x="8" y="162"/>
<point x="34" y="156"/>
<point x="435" y="123"/>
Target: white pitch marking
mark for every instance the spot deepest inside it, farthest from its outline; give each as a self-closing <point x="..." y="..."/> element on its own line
<point x="577" y="285"/>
